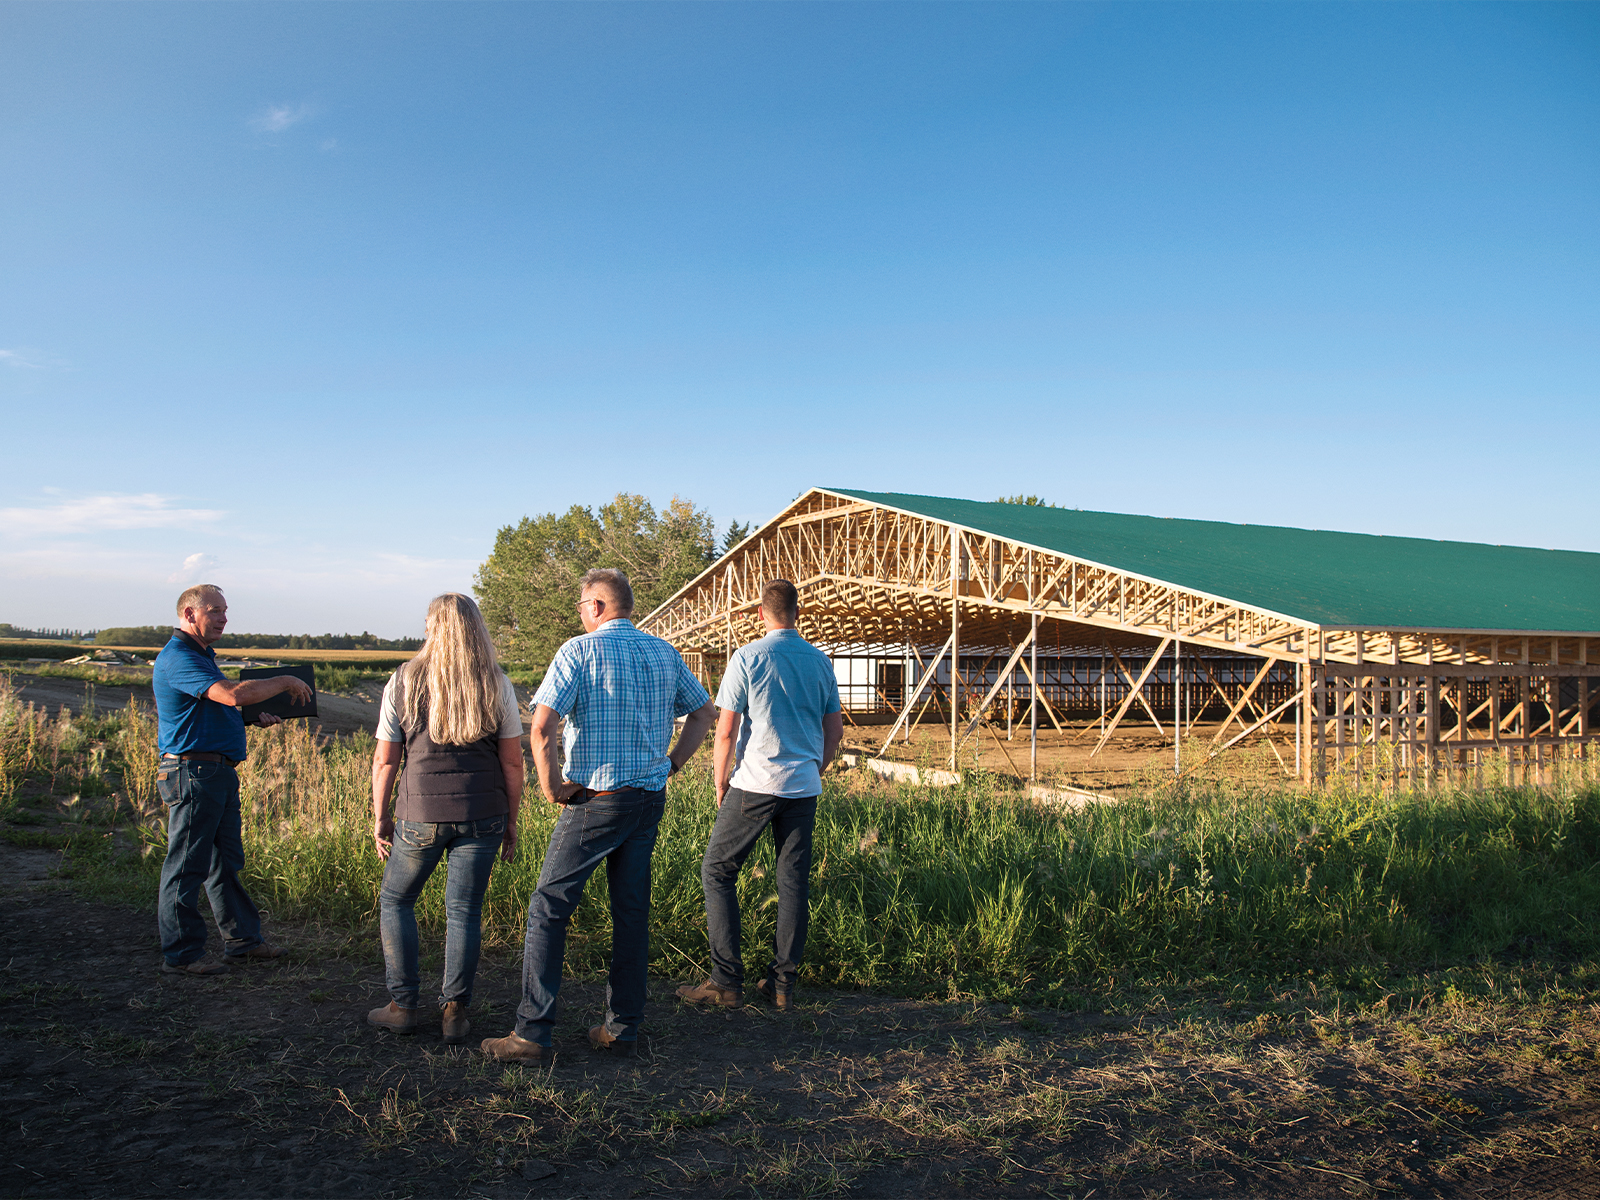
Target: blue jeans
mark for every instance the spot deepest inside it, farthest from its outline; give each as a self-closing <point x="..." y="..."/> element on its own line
<point x="204" y="846"/>
<point x="470" y="848"/>
<point x="620" y="831"/>
<point x="740" y="820"/>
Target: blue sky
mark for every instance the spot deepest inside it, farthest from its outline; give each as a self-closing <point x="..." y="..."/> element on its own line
<point x="309" y="300"/>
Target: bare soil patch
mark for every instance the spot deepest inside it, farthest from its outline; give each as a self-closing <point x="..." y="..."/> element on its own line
<point x="1136" y="751"/>
<point x="117" y="1080"/>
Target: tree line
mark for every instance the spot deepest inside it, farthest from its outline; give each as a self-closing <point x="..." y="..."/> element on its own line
<point x="8" y="630"/>
<point x="528" y="586"/>
<point x="157" y="635"/>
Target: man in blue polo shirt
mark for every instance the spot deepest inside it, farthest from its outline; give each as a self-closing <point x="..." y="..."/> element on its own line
<point x="781" y="722"/>
<point x="201" y="739"/>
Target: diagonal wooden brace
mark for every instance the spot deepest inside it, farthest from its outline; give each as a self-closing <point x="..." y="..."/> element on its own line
<point x="1233" y="714"/>
<point x="1000" y="681"/>
<point x="1127" y="702"/>
<point x="911" y="701"/>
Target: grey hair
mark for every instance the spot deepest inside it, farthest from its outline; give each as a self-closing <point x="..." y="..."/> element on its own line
<point x="191" y="596"/>
<point x="613" y="583"/>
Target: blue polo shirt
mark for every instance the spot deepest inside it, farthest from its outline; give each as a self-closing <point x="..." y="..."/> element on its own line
<point x="188" y="722"/>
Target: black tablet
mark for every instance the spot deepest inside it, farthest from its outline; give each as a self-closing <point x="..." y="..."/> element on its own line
<point x="281" y="705"/>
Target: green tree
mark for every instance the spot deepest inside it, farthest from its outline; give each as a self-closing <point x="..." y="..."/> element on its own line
<point x="134" y="635"/>
<point x="528" y="586"/>
<point x="1023" y="500"/>
<point x="736" y="533"/>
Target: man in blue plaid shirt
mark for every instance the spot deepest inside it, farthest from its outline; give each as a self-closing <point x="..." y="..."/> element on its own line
<point x="619" y="691"/>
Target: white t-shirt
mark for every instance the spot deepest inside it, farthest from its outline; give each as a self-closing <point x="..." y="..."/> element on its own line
<point x="389" y="729"/>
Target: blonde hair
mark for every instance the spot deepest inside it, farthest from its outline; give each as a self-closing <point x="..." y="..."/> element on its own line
<point x="454" y="681"/>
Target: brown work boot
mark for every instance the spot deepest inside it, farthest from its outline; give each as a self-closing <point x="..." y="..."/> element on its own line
<point x="517" y="1049"/>
<point x="394" y="1018"/>
<point x="782" y="1001"/>
<point x="200" y="966"/>
<point x="453" y="1023"/>
<point x="711" y="992"/>
<point x="260" y="952"/>
<point x="601" y="1039"/>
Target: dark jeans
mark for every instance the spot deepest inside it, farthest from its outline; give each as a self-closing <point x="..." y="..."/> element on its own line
<point x="203" y="847"/>
<point x="620" y="831"/>
<point x="469" y="848"/>
<point x="740" y="820"/>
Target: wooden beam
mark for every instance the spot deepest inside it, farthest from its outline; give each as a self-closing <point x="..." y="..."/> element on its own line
<point x="957" y="552"/>
<point x="1011" y="665"/>
<point x="1049" y="709"/>
<point x="1294" y="699"/>
<point x="1145" y="704"/>
<point x="1261" y="677"/>
<point x="927" y="677"/>
<point x="1127" y="702"/>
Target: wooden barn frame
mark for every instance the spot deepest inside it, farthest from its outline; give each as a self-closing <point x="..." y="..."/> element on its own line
<point x="1391" y="658"/>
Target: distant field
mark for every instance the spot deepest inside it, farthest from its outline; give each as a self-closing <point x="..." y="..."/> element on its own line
<point x="43" y="648"/>
<point x="372" y="658"/>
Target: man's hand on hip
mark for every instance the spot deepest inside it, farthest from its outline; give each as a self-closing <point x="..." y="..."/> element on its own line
<point x="564" y="791"/>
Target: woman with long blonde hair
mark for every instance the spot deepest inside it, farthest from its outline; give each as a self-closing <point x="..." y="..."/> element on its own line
<point x="450" y="717"/>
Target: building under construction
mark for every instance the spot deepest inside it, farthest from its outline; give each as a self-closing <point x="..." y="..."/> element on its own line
<point x="1343" y="654"/>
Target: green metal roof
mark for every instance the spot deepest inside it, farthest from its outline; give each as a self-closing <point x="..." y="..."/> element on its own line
<point x="1318" y="576"/>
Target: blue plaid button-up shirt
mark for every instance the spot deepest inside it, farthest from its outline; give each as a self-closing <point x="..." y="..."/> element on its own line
<point x="619" y="691"/>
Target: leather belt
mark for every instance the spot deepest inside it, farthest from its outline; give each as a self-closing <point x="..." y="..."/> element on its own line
<point x="204" y="756"/>
<point x="590" y="794"/>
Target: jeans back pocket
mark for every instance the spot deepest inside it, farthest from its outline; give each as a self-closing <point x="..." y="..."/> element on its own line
<point x="419" y="835"/>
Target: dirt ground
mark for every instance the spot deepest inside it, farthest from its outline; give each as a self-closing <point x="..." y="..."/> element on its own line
<point x="1064" y="755"/>
<point x="117" y="1080"/>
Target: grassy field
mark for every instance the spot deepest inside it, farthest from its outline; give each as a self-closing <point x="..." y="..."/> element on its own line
<point x="971" y="890"/>
<point x="1231" y="989"/>
<point x="333" y="677"/>
<point x="43" y="648"/>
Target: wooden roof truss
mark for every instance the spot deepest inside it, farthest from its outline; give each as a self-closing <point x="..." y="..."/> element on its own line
<point x="879" y="580"/>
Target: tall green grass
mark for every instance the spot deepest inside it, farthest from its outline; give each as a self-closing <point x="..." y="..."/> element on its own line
<point x="971" y="889"/>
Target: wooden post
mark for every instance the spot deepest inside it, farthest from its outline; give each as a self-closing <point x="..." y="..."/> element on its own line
<point x="1177" y="707"/>
<point x="955" y="641"/>
<point x="1319" y="690"/>
<point x="1033" y="706"/>
<point x="1102" y="694"/>
<point x="1298" y="710"/>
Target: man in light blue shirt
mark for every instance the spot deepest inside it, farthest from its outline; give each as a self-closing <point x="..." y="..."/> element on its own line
<point x="782" y="723"/>
<point x="619" y="691"/>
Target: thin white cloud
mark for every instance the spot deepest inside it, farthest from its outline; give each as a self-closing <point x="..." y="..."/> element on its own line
<point x="18" y="358"/>
<point x="275" y="118"/>
<point x="194" y="568"/>
<point x="93" y="514"/>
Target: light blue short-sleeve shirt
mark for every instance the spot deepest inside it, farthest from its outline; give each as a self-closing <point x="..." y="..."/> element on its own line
<point x="782" y="686"/>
